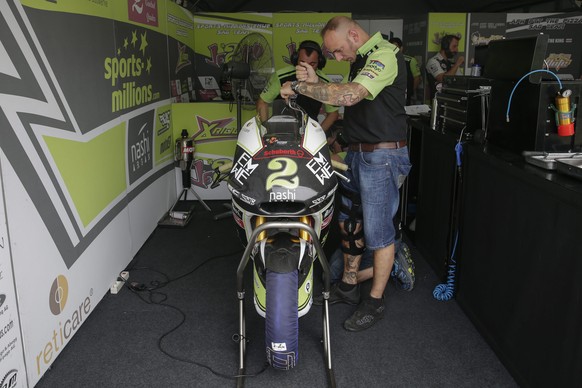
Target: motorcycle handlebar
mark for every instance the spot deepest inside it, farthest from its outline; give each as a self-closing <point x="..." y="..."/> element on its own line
<point x="225" y="167"/>
<point x="339" y="165"/>
<point x="220" y="173"/>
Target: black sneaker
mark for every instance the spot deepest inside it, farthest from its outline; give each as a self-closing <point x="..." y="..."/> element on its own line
<point x="365" y="316"/>
<point x="337" y="295"/>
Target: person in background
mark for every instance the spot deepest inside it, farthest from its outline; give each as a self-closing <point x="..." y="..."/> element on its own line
<point x="308" y="54"/>
<point x="445" y="62"/>
<point x="412" y="71"/>
<point x="375" y="126"/>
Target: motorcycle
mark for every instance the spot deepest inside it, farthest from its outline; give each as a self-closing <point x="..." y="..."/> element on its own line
<point x="283" y="185"/>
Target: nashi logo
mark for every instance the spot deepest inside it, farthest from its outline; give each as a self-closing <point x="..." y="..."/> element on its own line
<point x="10" y="379"/>
<point x="58" y="295"/>
<point x="139" y="145"/>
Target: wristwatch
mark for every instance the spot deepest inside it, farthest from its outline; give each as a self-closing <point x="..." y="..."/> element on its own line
<point x="295" y="86"/>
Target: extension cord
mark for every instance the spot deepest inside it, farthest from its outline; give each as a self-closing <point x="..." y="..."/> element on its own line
<point x="118" y="285"/>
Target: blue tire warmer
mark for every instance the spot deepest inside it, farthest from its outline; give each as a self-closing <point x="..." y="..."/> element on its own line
<point x="282" y="320"/>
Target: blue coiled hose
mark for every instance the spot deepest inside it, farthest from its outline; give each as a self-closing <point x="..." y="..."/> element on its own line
<point x="446" y="291"/>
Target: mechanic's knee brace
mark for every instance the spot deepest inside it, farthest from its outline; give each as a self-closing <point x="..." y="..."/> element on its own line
<point x="351" y="239"/>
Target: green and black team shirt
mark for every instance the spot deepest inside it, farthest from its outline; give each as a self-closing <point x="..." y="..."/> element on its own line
<point x="311" y="106"/>
<point x="381" y="69"/>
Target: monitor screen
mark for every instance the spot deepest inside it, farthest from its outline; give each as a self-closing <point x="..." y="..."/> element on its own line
<point x="511" y="59"/>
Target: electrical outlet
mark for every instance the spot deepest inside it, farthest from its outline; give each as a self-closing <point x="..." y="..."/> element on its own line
<point x="118" y="285"/>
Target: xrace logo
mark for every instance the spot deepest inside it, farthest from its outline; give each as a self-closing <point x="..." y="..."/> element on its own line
<point x="125" y="70"/>
<point x="58" y="296"/>
<point x="214" y="130"/>
<point x="139" y="143"/>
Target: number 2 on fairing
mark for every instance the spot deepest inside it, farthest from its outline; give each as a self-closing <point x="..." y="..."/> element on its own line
<point x="284" y="175"/>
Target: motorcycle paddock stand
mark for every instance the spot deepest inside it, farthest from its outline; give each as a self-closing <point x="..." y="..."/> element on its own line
<point x="241" y="295"/>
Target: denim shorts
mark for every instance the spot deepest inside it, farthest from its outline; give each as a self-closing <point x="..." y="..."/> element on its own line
<point x="376" y="176"/>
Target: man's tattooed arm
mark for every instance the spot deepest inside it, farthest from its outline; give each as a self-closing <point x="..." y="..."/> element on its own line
<point x="334" y="93"/>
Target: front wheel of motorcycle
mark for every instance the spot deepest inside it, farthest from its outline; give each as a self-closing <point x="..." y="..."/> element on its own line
<point x="282" y="319"/>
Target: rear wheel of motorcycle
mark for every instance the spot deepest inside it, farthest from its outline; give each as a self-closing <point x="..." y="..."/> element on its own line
<point x="282" y="320"/>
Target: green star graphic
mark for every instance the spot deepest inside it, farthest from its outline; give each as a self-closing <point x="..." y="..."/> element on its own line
<point x="133" y="38"/>
<point x="125" y="43"/>
<point x="118" y="51"/>
<point x="149" y="65"/>
<point x="144" y="43"/>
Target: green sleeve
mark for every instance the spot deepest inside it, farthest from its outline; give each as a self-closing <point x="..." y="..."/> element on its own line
<point x="380" y="70"/>
<point x="414" y="68"/>
<point x="330" y="108"/>
<point x="271" y="91"/>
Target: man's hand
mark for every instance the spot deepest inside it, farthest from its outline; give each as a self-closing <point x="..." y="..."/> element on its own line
<point x="460" y="60"/>
<point x="304" y="72"/>
<point x="286" y="91"/>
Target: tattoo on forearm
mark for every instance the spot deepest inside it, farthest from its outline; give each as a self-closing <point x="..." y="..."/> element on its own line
<point x="333" y="93"/>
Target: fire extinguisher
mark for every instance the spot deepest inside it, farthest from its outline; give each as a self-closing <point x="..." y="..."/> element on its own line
<point x="183" y="155"/>
<point x="564" y="115"/>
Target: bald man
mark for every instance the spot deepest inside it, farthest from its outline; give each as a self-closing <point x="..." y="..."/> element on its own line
<point x="375" y="127"/>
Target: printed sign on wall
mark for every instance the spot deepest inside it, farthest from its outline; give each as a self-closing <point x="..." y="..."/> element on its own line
<point x="214" y="131"/>
<point x="221" y="38"/>
<point x="181" y="54"/>
<point x="290" y="29"/>
<point x="563" y="56"/>
<point x="12" y="368"/>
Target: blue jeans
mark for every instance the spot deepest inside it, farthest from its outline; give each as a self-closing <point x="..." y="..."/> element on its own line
<point x="377" y="176"/>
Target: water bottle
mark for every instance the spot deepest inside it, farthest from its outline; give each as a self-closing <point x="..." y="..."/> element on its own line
<point x="476" y="70"/>
<point x="433" y="113"/>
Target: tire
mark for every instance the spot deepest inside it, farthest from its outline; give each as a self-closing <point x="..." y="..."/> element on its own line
<point x="282" y="320"/>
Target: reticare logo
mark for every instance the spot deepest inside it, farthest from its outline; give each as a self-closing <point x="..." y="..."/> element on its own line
<point x="58" y="295"/>
<point x="68" y="322"/>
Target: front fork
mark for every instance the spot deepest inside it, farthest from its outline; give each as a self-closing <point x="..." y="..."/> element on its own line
<point x="302" y="228"/>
